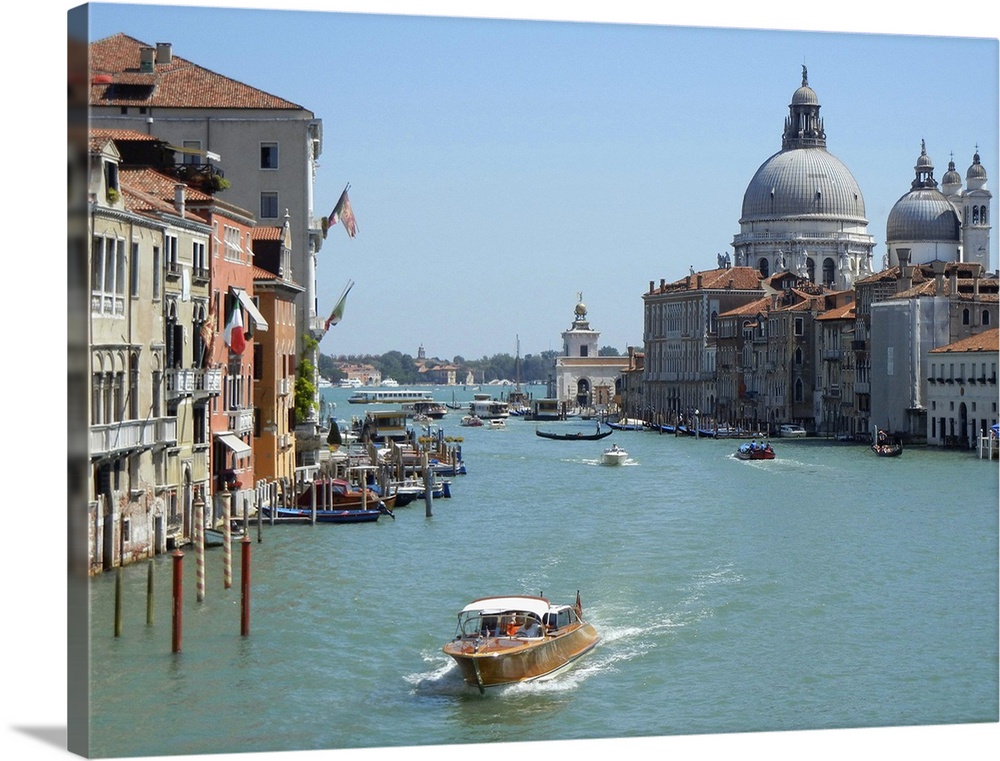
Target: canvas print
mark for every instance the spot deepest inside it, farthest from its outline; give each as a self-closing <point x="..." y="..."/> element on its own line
<point x="451" y="383"/>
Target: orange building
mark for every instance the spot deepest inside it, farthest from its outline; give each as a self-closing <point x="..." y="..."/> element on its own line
<point x="274" y="355"/>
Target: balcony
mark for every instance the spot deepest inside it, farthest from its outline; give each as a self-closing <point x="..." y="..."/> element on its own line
<point x="832" y="355"/>
<point x="862" y="387"/>
<point x="240" y="421"/>
<point x="166" y="431"/>
<point x="208" y="382"/>
<point x="121" y="437"/>
<point x="859" y="345"/>
<point x="284" y="386"/>
<point x="180" y="382"/>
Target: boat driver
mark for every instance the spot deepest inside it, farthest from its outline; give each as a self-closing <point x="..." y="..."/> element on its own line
<point x="529" y="628"/>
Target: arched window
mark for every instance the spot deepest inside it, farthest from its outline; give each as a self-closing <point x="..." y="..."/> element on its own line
<point x="982" y="214"/>
<point x="713" y="326"/>
<point x="811" y="269"/>
<point x="828" y="270"/>
<point x="799" y="394"/>
<point x="765" y="268"/>
<point x="975" y="215"/>
<point x="798" y="356"/>
<point x="965" y="316"/>
<point x="986" y="317"/>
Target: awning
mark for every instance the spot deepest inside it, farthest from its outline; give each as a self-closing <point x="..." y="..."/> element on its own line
<point x="258" y="319"/>
<point x="234" y="442"/>
<point x="196" y="152"/>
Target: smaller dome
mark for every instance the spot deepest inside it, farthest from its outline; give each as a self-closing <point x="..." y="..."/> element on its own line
<point x="805" y="96"/>
<point x="977" y="171"/>
<point x="951" y="177"/>
<point x="923" y="214"/>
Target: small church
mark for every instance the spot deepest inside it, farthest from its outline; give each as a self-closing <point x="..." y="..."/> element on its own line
<point x="582" y="378"/>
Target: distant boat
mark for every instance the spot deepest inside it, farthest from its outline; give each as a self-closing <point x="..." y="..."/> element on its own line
<point x="754" y="451"/>
<point x="628" y="424"/>
<point x="486" y="407"/>
<point x="614" y="455"/>
<point x="883" y="447"/>
<point x="578" y="436"/>
<point x="544" y="409"/>
<point x="389" y="383"/>
<point x="389" y="396"/>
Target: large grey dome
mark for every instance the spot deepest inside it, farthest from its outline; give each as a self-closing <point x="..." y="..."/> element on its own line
<point x="803" y="182"/>
<point x="923" y="214"/>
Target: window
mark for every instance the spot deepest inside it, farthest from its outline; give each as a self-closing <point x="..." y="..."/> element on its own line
<point x="965" y="316"/>
<point x="268" y="205"/>
<point x="231" y="244"/>
<point x="986" y="317"/>
<point x="134" y="271"/>
<point x="107" y="276"/>
<point x="198" y="257"/>
<point x="268" y="155"/>
<point x="173" y="265"/>
<point x="156" y="272"/>
<point x="799" y="326"/>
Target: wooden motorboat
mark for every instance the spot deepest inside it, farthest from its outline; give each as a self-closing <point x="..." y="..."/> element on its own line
<point x="349" y="515"/>
<point x="754" y="451"/>
<point x="613" y="455"/>
<point x="338" y="494"/>
<point x="577" y="436"/>
<point x="505" y="640"/>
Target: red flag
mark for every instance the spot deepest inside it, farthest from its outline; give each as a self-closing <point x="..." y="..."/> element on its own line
<point x="344" y="213"/>
<point x="233" y="334"/>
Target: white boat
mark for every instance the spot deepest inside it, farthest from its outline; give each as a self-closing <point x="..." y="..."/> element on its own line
<point x="349" y="383"/>
<point x="791" y="431"/>
<point x="390" y="383"/>
<point x="614" y="455"/>
<point x="472" y="421"/>
<point x="497" y="424"/>
<point x="389" y="396"/>
<point x="487" y="408"/>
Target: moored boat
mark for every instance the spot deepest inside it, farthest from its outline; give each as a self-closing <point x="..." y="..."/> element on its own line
<point x="215" y="536"/>
<point x="505" y="640"/>
<point x="346" y="515"/>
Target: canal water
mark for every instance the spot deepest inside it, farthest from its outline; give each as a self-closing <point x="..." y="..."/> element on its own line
<point x="824" y="589"/>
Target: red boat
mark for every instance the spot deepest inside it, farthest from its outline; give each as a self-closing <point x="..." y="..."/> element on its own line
<point x="338" y="494"/>
<point x="755" y="451"/>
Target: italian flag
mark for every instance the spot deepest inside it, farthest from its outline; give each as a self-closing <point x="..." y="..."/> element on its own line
<point x="233" y="335"/>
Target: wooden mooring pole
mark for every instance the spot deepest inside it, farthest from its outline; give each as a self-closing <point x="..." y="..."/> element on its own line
<point x="199" y="548"/>
<point x="118" y="603"/>
<point x="245" y="587"/>
<point x="227" y="536"/>
<point x="178" y="607"/>
<point x="149" y="593"/>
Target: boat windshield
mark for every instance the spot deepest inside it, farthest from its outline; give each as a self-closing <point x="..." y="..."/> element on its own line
<point x="507" y="623"/>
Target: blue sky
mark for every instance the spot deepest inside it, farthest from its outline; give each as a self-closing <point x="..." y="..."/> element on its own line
<point x="499" y="166"/>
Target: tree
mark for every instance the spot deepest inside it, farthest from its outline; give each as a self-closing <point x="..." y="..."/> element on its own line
<point x="305" y="386"/>
<point x="608" y="351"/>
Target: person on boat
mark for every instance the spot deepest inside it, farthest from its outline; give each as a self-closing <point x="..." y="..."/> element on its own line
<point x="529" y="628"/>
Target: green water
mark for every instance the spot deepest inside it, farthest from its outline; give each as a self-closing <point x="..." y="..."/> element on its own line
<point x="827" y="588"/>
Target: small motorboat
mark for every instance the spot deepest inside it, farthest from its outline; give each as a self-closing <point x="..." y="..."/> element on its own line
<point x="754" y="451"/>
<point x="613" y="455"/>
<point x="472" y="421"/>
<point x="505" y="640"/>
<point x="497" y="424"/>
<point x="215" y="536"/>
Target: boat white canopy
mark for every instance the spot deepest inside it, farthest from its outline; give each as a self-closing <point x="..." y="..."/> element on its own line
<point x="494" y="605"/>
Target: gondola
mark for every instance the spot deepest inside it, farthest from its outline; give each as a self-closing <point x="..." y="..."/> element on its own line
<point x="578" y="436"/>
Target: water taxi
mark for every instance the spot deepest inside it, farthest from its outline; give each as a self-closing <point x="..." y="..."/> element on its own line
<point x="389" y="396"/>
<point x="505" y="640"/>
<point x="486" y="407"/>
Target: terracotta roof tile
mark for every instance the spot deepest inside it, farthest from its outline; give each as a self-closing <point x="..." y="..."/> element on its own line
<point x="147" y="190"/>
<point x="178" y="84"/>
<point x="267" y="233"/>
<point x="988" y="340"/>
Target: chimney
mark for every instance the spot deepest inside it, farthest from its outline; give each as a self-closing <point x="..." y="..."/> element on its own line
<point x="650" y="286"/>
<point x="938" y="267"/>
<point x="730" y="286"/>
<point x="663" y="284"/>
<point x="954" y="281"/>
<point x="179" y="189"/>
<point x="687" y="282"/>
<point x="164" y="52"/>
<point x="699" y="282"/>
<point x="905" y="275"/>
<point x="146" y="60"/>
